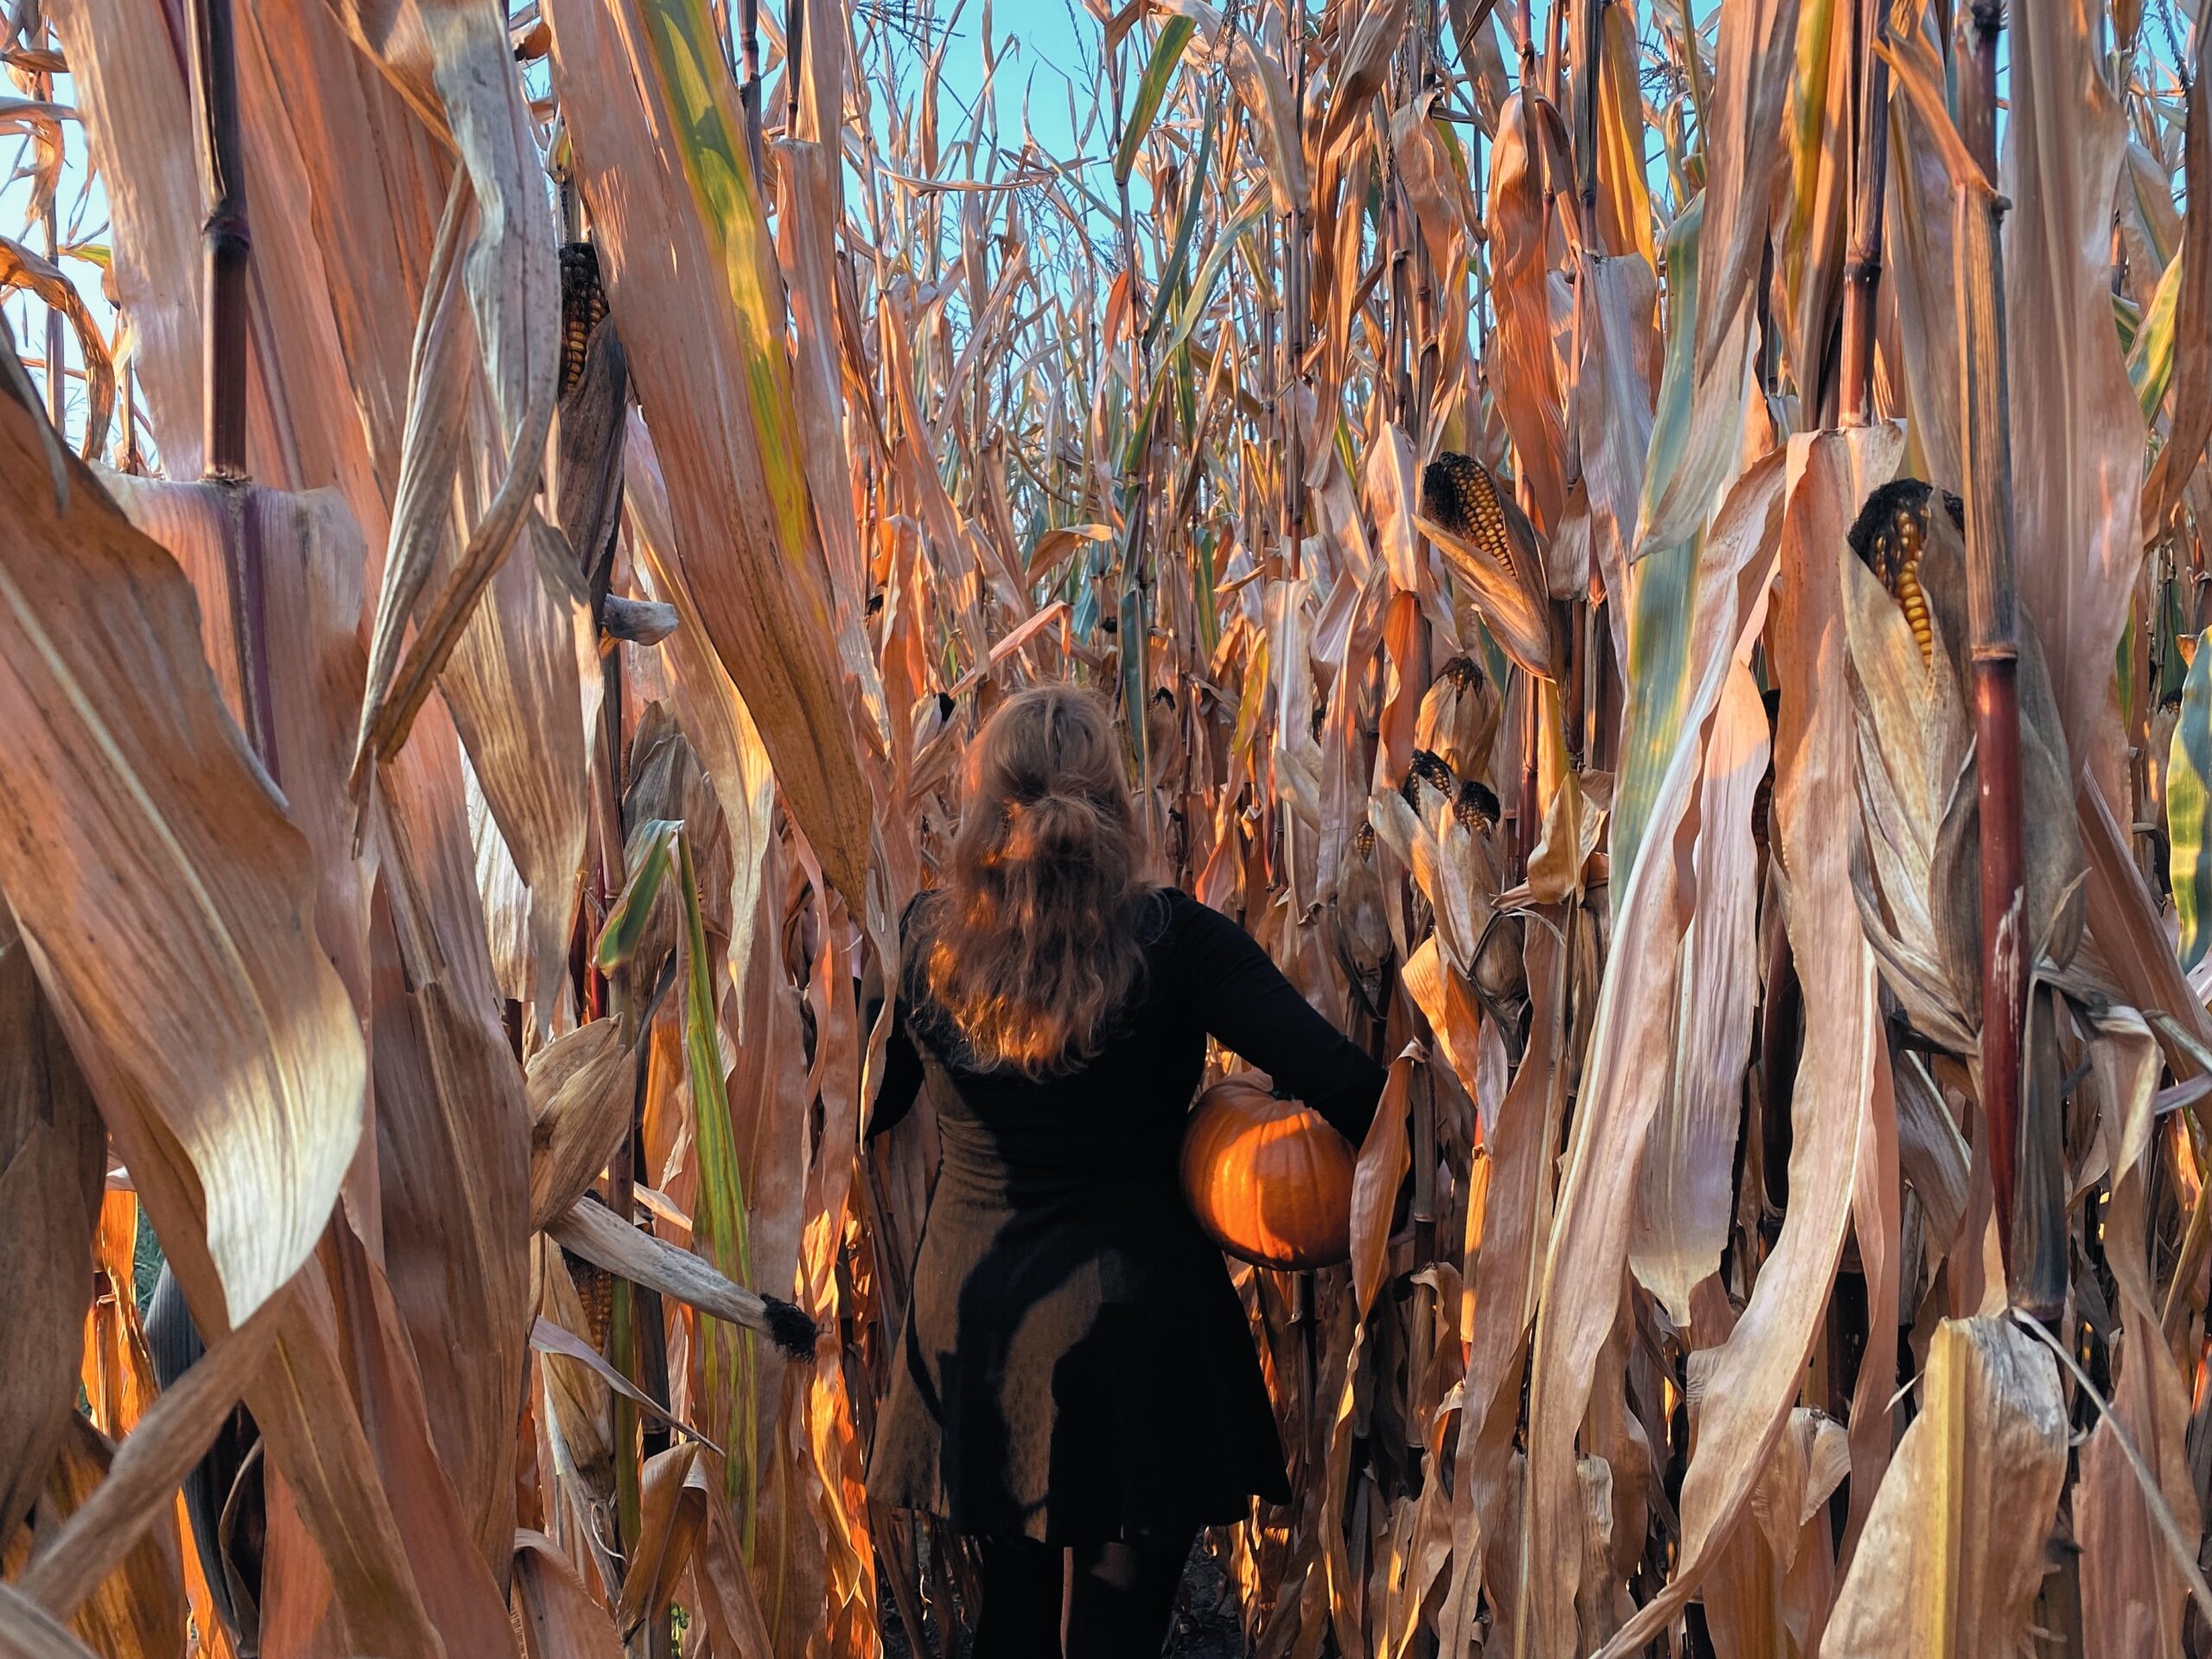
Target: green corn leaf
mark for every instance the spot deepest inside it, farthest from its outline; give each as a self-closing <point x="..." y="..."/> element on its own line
<point x="1663" y="580"/>
<point x="1179" y="256"/>
<point x="1131" y="633"/>
<point x="2150" y="355"/>
<point x="2189" y="787"/>
<point x="718" y="1218"/>
<point x="647" y="860"/>
<point x="1166" y="52"/>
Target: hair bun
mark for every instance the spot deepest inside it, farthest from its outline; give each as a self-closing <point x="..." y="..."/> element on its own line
<point x="1054" y="823"/>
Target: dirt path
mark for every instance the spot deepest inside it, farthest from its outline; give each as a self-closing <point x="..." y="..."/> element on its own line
<point x="1206" y="1625"/>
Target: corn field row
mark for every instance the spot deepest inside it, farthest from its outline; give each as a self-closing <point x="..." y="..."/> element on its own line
<point x="1651" y="551"/>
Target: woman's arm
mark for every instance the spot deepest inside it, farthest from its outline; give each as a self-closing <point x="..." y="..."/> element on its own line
<point x="902" y="1074"/>
<point x="902" y="1061"/>
<point x="1248" y="1007"/>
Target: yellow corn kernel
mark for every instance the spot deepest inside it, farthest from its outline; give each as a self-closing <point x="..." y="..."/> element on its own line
<point x="1912" y="600"/>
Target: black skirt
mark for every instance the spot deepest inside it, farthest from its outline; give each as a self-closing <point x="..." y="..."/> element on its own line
<point x="1076" y="1365"/>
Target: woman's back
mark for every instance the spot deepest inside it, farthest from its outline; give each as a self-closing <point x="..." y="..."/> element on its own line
<point x="1120" y="1114"/>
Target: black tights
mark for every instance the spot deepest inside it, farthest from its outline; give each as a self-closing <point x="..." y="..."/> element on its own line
<point x="1106" y="1601"/>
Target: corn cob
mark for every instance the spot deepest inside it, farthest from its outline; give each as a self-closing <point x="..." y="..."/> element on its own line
<point x="1477" y="809"/>
<point x="1428" y="768"/>
<point x="1458" y="717"/>
<point x="1888" y="536"/>
<point x="1458" y="491"/>
<point x="1362" y="841"/>
<point x="584" y="305"/>
<point x="596" y="1290"/>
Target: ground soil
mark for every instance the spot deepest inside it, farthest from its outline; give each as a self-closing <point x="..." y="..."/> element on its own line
<point x="1206" y="1624"/>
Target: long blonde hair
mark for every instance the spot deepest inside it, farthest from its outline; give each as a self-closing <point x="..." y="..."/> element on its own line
<point x="1031" y="950"/>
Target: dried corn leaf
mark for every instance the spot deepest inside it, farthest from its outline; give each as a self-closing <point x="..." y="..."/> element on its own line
<point x="672" y="1509"/>
<point x="1525" y="365"/>
<point x="558" y="1617"/>
<point x="192" y="948"/>
<point x="139" y="1490"/>
<point x="1743" y="154"/>
<point x="2078" y="430"/>
<point x="29" y="1631"/>
<point x="453" y="1132"/>
<point x="1631" y="1038"/>
<point x="714" y="717"/>
<point x="1953" y="1550"/>
<point x="1683" y="1196"/>
<point x="137" y="116"/>
<point x="1507" y="1267"/>
<point x="52" y="1150"/>
<point x="2133" y="1590"/>
<point x="580" y="1087"/>
<point x="1755" y="1374"/>
<point x="137" y="1611"/>
<point x="452" y="63"/>
<point x="651" y="105"/>
<point x="1922" y="271"/>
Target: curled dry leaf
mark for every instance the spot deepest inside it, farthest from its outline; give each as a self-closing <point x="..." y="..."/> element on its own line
<point x="582" y="1086"/>
<point x="558" y="1617"/>
<point x="672" y="1514"/>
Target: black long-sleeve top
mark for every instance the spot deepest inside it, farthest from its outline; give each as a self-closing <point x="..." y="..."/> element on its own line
<point x="1205" y="976"/>
<point x="1076" y="1364"/>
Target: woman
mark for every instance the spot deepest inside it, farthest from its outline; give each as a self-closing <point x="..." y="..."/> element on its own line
<point x="1077" y="1387"/>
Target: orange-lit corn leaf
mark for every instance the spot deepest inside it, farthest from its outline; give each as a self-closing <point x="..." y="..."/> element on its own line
<point x="137" y="1608"/>
<point x="2192" y="311"/>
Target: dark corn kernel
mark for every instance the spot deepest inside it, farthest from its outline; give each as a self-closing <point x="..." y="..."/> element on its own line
<point x="1458" y="491"/>
<point x="583" y="306"/>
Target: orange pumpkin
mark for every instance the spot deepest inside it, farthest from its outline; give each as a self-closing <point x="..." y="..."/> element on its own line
<point x="1268" y="1179"/>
